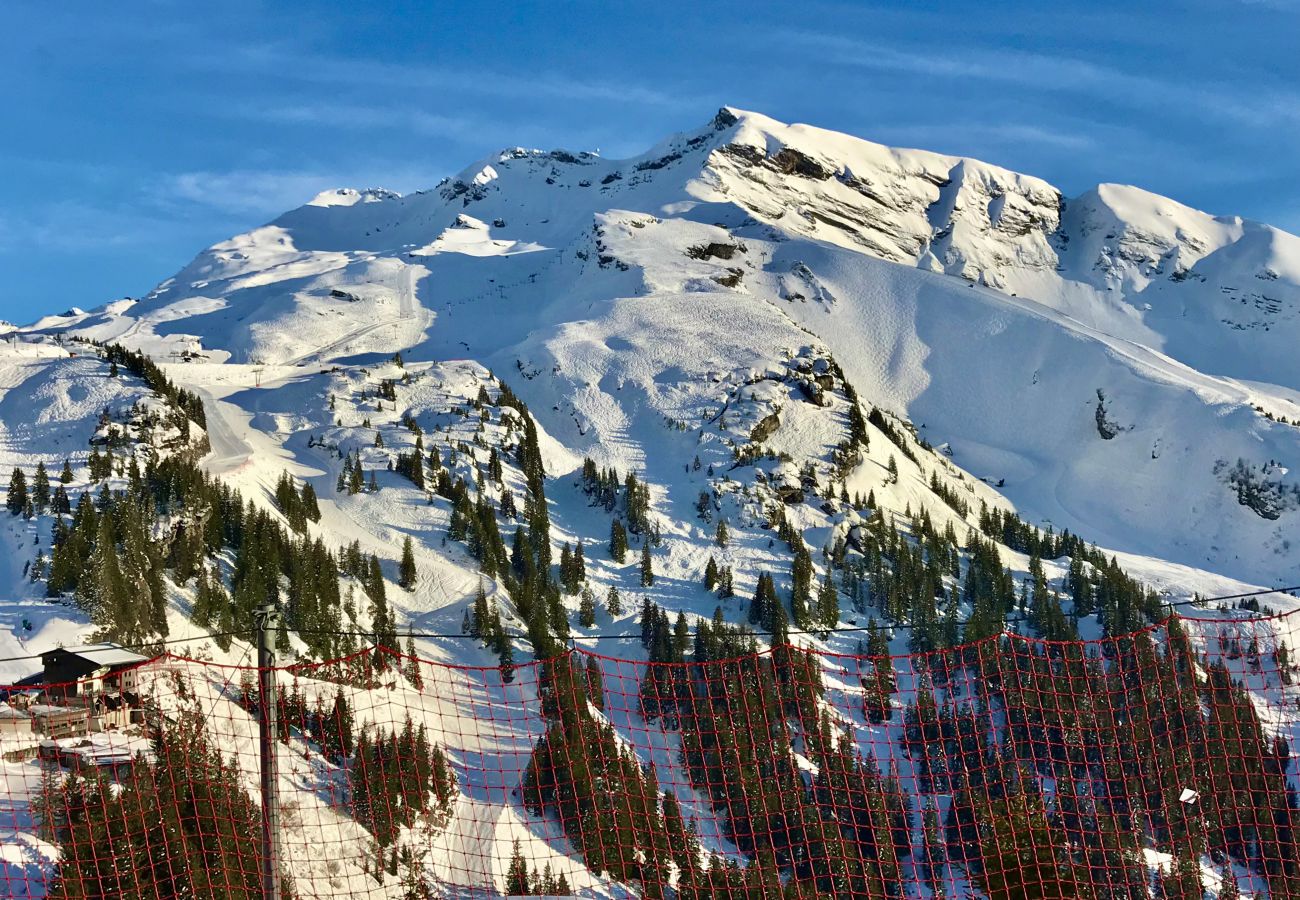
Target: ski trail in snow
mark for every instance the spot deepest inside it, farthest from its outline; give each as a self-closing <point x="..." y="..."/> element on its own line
<point x="616" y="435"/>
<point x="322" y="352"/>
<point x="228" y="451"/>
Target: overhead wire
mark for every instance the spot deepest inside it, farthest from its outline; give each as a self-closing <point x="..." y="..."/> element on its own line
<point x="149" y="647"/>
<point x="857" y="629"/>
<point x="820" y="633"/>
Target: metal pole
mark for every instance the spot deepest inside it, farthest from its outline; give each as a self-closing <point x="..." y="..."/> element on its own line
<point x="268" y="622"/>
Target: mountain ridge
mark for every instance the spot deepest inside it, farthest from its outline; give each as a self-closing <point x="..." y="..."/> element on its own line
<point x="526" y="256"/>
<point x="558" y="394"/>
<point x="1114" y="257"/>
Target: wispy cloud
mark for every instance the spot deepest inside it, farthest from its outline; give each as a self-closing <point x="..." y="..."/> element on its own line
<point x="1057" y="74"/>
<point x="256" y="192"/>
<point x="211" y="203"/>
<point x="358" y="115"/>
<point x="240" y="192"/>
<point x="990" y="134"/>
<point x="306" y="65"/>
<point x="74" y="226"/>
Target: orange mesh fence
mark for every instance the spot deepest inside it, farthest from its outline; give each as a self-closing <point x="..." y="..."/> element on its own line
<point x="1157" y="764"/>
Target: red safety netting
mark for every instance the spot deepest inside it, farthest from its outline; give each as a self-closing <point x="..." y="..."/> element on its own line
<point x="1157" y="764"/>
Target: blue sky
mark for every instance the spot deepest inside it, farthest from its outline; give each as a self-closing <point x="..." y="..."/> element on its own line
<point x="139" y="133"/>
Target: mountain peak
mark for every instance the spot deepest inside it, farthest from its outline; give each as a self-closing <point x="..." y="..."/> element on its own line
<point x="1116" y="258"/>
<point x="352" y="196"/>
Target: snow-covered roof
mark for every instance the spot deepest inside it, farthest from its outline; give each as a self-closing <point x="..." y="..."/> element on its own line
<point x="46" y="710"/>
<point x="105" y="654"/>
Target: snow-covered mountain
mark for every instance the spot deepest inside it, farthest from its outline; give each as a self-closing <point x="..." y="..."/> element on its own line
<point x="1108" y="359"/>
<point x="762" y="321"/>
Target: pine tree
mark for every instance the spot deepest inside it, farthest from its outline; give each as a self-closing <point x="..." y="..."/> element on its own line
<point x="587" y="608"/>
<point x="681" y="842"/>
<point x="711" y="574"/>
<point x="339" y="730"/>
<point x="778" y="626"/>
<point x="310" y="507"/>
<point x="407" y="573"/>
<point x="828" y="603"/>
<point x="373" y="582"/>
<point x="681" y="637"/>
<point x="617" y="541"/>
<point x="1021" y="847"/>
<point x="723" y="535"/>
<point x="613" y="602"/>
<point x="101" y="590"/>
<point x="647" y="566"/>
<point x="40" y="488"/>
<point x="566" y="570"/>
<point x="517" y="874"/>
<point x="66" y="475"/>
<point x="1228" y="889"/>
<point x="505" y="656"/>
<point x="414" y="671"/>
<point x="595" y="683"/>
<point x="801" y="573"/>
<point x="931" y="864"/>
<point x="760" y="608"/>
<point x="17" y="498"/>
<point x="95" y="463"/>
<point x="479" y="621"/>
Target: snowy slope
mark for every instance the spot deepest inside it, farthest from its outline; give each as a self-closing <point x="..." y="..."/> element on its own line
<point x="596" y="275"/>
<point x="1220" y="293"/>
<point x="1103" y="364"/>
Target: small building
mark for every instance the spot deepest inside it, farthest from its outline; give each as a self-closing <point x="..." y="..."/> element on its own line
<point x="113" y="710"/>
<point x="61" y="721"/>
<point x="14" y="722"/>
<point x="22" y="699"/>
<point x="91" y="669"/>
<point x="108" y="754"/>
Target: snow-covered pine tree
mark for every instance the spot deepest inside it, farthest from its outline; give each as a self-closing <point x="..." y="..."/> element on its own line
<point x="40" y="494"/>
<point x="407" y="573"/>
<point x="617" y="541"/>
<point x="17" y="498"/>
<point x="647" y="566"/>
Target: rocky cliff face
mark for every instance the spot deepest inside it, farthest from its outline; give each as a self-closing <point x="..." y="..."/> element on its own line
<point x="945" y="214"/>
<point x="1217" y="292"/>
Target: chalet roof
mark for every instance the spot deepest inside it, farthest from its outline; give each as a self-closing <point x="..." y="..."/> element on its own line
<point x="104" y="654"/>
<point x="56" y="712"/>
